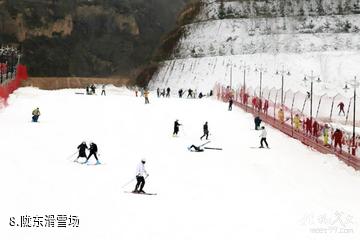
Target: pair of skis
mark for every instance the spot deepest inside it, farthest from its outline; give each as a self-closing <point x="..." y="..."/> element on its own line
<point x="151" y="194"/>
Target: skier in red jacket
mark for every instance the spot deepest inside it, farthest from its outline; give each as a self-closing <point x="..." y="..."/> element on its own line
<point x="254" y="102"/>
<point x="266" y="106"/>
<point x="315" y="128"/>
<point x="337" y="138"/>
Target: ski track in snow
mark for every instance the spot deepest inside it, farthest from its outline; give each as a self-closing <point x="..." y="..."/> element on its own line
<point x="237" y="193"/>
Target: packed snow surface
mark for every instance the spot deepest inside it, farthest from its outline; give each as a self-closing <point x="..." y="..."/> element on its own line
<point x="242" y="192"/>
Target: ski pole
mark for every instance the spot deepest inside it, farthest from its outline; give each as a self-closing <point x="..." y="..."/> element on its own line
<point x="72" y="155"/>
<point x="128" y="183"/>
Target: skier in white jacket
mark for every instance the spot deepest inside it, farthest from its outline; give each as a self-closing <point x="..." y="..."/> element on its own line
<point x="141" y="174"/>
<point x="263" y="138"/>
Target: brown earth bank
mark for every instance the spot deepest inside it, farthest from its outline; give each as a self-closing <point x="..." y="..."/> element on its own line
<point x="55" y="83"/>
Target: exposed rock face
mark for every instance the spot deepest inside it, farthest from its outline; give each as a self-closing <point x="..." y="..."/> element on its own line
<point x="86" y="37"/>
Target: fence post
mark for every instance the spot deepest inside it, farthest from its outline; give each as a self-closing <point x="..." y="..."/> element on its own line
<point x="303" y="107"/>
<point x="317" y="112"/>
<point x="292" y="115"/>
<point x="275" y="104"/>
<point x="332" y="106"/>
<point x="347" y="114"/>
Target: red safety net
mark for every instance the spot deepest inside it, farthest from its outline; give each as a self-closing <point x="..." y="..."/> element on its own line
<point x="10" y="86"/>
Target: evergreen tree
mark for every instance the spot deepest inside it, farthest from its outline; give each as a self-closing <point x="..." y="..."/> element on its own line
<point x="222" y="10"/>
<point x="320" y="8"/>
<point x="340" y="9"/>
<point x="347" y="6"/>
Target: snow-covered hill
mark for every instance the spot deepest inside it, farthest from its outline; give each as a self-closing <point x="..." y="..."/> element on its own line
<point x="300" y="36"/>
<point x="286" y="192"/>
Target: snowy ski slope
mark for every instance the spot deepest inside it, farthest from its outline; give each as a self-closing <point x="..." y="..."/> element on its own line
<point x="286" y="192"/>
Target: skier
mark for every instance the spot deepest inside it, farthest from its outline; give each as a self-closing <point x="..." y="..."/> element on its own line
<point x="254" y="102"/>
<point x="326" y="135"/>
<point x="93" y="88"/>
<point x="308" y="125"/>
<point x="245" y="99"/>
<point x="87" y="90"/>
<point x="206" y="131"/>
<point x="163" y="93"/>
<point x="315" y="126"/>
<point x="341" y="105"/>
<point x="196" y="149"/>
<point x="146" y="95"/>
<point x="180" y="93"/>
<point x="141" y="174"/>
<point x="263" y="138"/>
<point x="337" y="138"/>
<point x="201" y="95"/>
<point x="257" y="122"/>
<point x="190" y="92"/>
<point x="35" y="115"/>
<point x="281" y="116"/>
<point x="176" y="128"/>
<point x="168" y="92"/>
<point x="297" y="122"/>
<point x="82" y="151"/>
<point x="158" y="92"/>
<point x="103" y="90"/>
<point x="195" y="93"/>
<point x="266" y="107"/>
<point x="230" y="104"/>
<point x="259" y="104"/>
<point x="93" y="151"/>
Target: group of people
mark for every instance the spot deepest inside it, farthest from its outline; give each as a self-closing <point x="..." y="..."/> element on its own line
<point x="331" y="137"/>
<point x="93" y="149"/>
<point x="140" y="175"/>
<point x="166" y="92"/>
<point x="8" y="60"/>
<point x="91" y="89"/>
<point x="205" y="129"/>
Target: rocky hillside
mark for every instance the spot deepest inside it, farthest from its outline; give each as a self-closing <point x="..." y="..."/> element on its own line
<point x="86" y="37"/>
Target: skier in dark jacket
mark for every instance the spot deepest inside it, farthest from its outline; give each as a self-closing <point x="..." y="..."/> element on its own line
<point x="206" y="131"/>
<point x="176" y="127"/>
<point x="196" y="149"/>
<point x="93" y="89"/>
<point x="180" y="93"/>
<point x="168" y="92"/>
<point x="190" y="92"/>
<point x="341" y="105"/>
<point x="257" y="122"/>
<point x="93" y="151"/>
<point x="230" y="104"/>
<point x="82" y="151"/>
